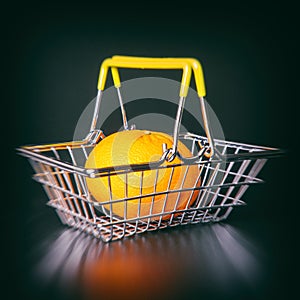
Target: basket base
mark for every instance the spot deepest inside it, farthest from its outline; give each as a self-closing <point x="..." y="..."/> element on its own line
<point x="107" y="230"/>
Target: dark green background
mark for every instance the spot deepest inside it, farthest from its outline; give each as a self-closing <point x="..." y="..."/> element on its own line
<point x="51" y="56"/>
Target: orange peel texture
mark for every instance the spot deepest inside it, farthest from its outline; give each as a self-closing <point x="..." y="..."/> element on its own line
<point x="136" y="147"/>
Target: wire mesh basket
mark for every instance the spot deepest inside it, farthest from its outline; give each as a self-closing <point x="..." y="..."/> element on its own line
<point x="225" y="169"/>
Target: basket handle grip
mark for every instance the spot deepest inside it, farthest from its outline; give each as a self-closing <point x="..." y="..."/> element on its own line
<point x="186" y="64"/>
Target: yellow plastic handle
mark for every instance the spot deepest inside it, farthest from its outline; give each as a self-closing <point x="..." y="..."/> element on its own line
<point x="186" y="64"/>
<point x="194" y="64"/>
<point x="147" y="63"/>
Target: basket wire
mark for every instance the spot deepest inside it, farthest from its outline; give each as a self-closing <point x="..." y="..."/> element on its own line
<point x="223" y="185"/>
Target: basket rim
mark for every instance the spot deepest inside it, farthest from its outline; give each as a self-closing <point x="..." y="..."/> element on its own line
<point x="35" y="152"/>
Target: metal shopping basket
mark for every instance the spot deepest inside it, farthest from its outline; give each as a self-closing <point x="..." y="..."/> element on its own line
<point x="226" y="169"/>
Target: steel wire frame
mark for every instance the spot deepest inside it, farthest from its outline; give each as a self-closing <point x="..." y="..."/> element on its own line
<point x="223" y="183"/>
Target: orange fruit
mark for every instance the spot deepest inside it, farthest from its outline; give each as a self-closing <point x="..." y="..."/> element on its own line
<point x="136" y="147"/>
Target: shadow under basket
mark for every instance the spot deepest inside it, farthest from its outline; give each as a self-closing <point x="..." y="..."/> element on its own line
<point x="224" y="179"/>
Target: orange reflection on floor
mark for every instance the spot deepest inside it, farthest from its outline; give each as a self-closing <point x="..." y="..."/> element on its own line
<point x="131" y="270"/>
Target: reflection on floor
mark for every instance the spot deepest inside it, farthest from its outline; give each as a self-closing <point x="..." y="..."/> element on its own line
<point x="187" y="263"/>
